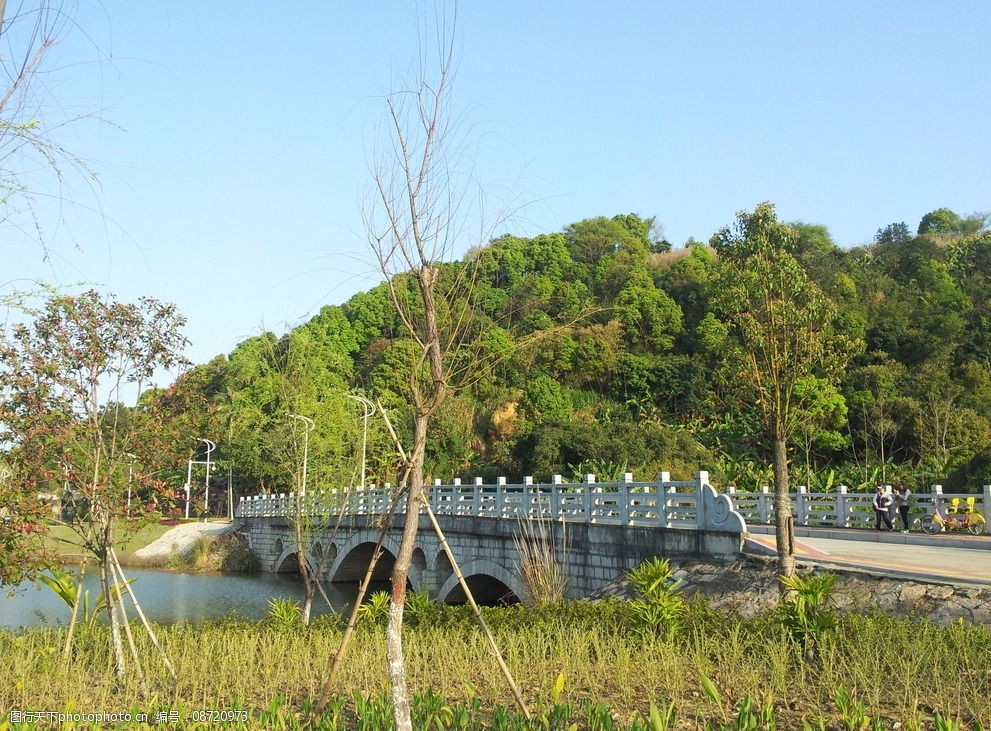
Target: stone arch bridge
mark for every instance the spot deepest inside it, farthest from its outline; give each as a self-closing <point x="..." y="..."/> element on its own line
<point x="595" y="531"/>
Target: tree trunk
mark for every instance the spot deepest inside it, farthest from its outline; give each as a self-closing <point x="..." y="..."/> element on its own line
<point x="311" y="590"/>
<point x="784" y="532"/>
<point x="400" y="575"/>
<point x="305" y="570"/>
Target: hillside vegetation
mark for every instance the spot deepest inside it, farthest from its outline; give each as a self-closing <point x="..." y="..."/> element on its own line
<point x="599" y="349"/>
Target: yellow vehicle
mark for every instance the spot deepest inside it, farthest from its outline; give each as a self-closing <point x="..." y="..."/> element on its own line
<point x="968" y="519"/>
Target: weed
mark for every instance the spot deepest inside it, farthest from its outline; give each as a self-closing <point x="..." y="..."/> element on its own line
<point x="852" y="712"/>
<point x="902" y="667"/>
<point x="420" y="608"/>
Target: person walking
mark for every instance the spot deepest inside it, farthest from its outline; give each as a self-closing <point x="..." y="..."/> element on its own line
<point x="903" y="500"/>
<point x="881" y="502"/>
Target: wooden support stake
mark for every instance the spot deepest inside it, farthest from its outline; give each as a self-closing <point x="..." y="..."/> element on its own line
<point x="144" y="620"/>
<point x="478" y="613"/>
<point x="119" y="606"/>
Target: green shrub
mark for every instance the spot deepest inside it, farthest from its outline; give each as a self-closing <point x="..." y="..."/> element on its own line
<point x="420" y="608"/>
<point x="376" y="608"/>
<point x="284" y="614"/>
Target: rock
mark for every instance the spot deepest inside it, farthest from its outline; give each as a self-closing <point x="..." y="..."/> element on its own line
<point x="911" y="593"/>
<point x="939" y="592"/>
<point x="749" y="586"/>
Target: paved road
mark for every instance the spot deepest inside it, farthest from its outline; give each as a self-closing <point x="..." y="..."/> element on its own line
<point x="963" y="559"/>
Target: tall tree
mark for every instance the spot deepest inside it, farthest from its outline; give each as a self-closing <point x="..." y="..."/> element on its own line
<point x="784" y="335"/>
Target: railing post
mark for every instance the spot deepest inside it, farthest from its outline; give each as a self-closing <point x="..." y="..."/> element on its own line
<point x="456" y="506"/>
<point x="801" y="505"/>
<point x="701" y="479"/>
<point x="670" y="511"/>
<point x="527" y="496"/>
<point x="556" y="501"/>
<point x="663" y="477"/>
<point x="625" y="491"/>
<point x="591" y="501"/>
<point x="986" y="507"/>
<point x="842" y="509"/>
<point x="435" y="496"/>
<point x="500" y="506"/>
<point x="764" y="505"/>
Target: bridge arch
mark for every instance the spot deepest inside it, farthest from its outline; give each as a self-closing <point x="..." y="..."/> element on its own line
<point x="489" y="583"/>
<point x="418" y="567"/>
<point x="288" y="561"/>
<point x="351" y="560"/>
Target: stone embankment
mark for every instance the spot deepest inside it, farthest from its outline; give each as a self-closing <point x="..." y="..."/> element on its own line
<point x="749" y="586"/>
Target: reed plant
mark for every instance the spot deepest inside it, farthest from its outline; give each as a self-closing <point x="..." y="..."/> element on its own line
<point x="891" y="670"/>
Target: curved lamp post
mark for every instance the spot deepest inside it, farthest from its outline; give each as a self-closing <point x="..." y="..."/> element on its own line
<point x="369" y="410"/>
<point x="306" y="446"/>
<point x="210" y="446"/>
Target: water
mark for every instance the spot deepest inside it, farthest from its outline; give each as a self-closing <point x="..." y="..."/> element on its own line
<point x="170" y="597"/>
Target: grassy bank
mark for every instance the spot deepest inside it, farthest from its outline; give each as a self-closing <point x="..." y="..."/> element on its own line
<point x="62" y="541"/>
<point x="885" y="669"/>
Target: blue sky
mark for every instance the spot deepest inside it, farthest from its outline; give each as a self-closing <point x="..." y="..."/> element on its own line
<point x="234" y="158"/>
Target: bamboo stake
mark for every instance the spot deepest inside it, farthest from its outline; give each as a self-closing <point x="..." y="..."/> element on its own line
<point x="118" y="648"/>
<point x="395" y="437"/>
<point x="322" y="567"/>
<point x="474" y="607"/>
<point x="119" y="605"/>
<point x="144" y="620"/>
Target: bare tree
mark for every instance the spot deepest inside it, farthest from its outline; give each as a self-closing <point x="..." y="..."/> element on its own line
<point x="414" y="222"/>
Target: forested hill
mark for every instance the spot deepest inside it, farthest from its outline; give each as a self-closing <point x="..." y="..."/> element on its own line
<point x="599" y="349"/>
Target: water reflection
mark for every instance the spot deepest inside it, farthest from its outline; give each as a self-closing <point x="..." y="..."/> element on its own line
<point x="169" y="597"/>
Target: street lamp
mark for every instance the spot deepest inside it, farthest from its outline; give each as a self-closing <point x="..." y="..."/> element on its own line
<point x="369" y="410"/>
<point x="210" y="446"/>
<point x="306" y="446"/>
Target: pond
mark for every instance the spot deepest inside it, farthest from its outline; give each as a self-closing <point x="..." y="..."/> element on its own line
<point x="170" y="597"/>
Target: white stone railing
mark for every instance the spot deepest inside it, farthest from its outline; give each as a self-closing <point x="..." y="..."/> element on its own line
<point x="843" y="508"/>
<point x="688" y="504"/>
